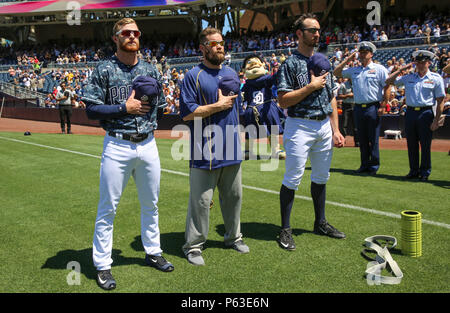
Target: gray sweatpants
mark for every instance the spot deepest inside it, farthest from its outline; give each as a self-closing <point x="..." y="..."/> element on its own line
<point x="202" y="185"/>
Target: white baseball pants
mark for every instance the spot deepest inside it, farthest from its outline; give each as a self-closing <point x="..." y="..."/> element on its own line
<point x="120" y="160"/>
<point x="305" y="138"/>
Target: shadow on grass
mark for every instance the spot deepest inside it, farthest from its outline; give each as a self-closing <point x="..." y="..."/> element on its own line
<point x="84" y="258"/>
<point x="172" y="243"/>
<point x="261" y="231"/>
<point x="439" y="183"/>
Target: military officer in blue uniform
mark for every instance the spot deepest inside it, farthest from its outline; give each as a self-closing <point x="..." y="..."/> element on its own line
<point x="370" y="95"/>
<point x="422" y="89"/>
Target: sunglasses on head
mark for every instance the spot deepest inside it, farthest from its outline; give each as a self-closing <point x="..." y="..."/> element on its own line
<point x="128" y="32"/>
<point x="213" y="43"/>
<point x="312" y="30"/>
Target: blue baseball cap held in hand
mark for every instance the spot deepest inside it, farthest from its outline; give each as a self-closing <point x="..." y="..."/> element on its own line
<point x="147" y="89"/>
<point x="230" y="85"/>
<point x="319" y="64"/>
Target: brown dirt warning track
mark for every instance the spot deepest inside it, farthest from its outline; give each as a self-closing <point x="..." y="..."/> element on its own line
<point x="18" y="125"/>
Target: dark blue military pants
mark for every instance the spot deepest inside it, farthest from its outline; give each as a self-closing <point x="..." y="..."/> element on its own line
<point x="367" y="124"/>
<point x="417" y="128"/>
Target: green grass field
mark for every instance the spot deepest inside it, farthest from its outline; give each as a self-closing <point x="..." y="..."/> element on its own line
<point x="49" y="202"/>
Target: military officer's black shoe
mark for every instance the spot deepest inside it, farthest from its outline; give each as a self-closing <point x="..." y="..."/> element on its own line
<point x="411" y="176"/>
<point x="361" y="170"/>
<point x="423" y="178"/>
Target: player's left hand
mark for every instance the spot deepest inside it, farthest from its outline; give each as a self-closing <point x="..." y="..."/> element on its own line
<point x="338" y="140"/>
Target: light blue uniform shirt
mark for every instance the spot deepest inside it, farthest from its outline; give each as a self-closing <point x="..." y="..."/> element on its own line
<point x="368" y="82"/>
<point x="422" y="91"/>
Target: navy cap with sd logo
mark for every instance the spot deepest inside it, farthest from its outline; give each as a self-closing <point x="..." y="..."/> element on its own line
<point x="319" y="64"/>
<point x="147" y="89"/>
<point x="230" y="85"/>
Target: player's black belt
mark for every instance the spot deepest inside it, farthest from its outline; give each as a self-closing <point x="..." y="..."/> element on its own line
<point x="315" y="118"/>
<point x="367" y="105"/>
<point x="419" y="108"/>
<point x="129" y="137"/>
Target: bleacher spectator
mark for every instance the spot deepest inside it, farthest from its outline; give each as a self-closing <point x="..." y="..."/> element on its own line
<point x="49" y="101"/>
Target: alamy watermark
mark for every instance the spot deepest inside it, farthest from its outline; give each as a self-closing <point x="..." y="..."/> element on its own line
<point x="74" y="277"/>
<point x="213" y="142"/>
<point x="74" y="15"/>
<point x="374" y="16"/>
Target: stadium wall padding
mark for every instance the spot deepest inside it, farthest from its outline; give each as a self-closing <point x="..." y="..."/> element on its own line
<point x="168" y="121"/>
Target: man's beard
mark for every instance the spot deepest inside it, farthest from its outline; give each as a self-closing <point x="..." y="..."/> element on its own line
<point x="125" y="48"/>
<point x="215" y="58"/>
<point x="310" y="43"/>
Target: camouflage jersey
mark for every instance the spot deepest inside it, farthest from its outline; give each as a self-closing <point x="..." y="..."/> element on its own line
<point x="109" y="88"/>
<point x="293" y="74"/>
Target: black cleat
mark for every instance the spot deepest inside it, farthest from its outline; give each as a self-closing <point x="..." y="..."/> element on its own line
<point x="285" y="239"/>
<point x="325" y="229"/>
<point x="423" y="178"/>
<point x="411" y="176"/>
<point x="159" y="263"/>
<point x="105" y="280"/>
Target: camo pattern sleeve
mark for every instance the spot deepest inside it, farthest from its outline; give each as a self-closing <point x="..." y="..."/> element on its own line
<point x="292" y="75"/>
<point x="108" y="90"/>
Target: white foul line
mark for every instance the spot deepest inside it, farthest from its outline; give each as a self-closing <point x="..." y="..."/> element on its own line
<point x="343" y="205"/>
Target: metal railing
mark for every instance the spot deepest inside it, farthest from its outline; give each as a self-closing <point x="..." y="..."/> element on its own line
<point x="54" y="65"/>
<point x="394" y="43"/>
<point x="20" y="92"/>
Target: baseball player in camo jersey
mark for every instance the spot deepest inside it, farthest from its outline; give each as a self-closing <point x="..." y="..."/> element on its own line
<point x="310" y="128"/>
<point x="129" y="148"/>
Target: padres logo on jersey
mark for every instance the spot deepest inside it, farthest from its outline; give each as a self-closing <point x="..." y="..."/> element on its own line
<point x="258" y="97"/>
<point x="119" y="94"/>
<point x="302" y="79"/>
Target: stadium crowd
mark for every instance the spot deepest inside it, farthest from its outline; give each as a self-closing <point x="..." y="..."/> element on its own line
<point x="432" y="26"/>
<point x="26" y="62"/>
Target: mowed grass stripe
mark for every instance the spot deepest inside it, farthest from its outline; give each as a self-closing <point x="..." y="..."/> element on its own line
<point x="347" y="206"/>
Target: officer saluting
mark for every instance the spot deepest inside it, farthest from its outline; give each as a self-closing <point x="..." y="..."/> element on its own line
<point x="368" y="83"/>
<point x="422" y="89"/>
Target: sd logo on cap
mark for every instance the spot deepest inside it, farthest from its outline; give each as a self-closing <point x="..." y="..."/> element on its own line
<point x="230" y="85"/>
<point x="147" y="89"/>
<point x="319" y="64"/>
